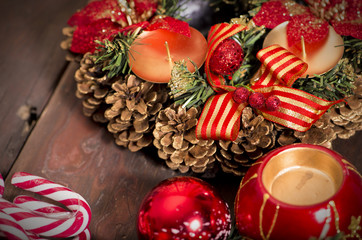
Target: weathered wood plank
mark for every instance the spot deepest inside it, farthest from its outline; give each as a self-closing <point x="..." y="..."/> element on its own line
<point x="70" y="149"/>
<point x="30" y="66"/>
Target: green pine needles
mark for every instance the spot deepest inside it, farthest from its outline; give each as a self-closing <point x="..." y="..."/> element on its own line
<point x="186" y="88"/>
<point x="250" y="40"/>
<point x="114" y="54"/>
<point x="338" y="82"/>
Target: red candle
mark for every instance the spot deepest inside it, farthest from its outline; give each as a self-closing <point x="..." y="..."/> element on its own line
<point x="320" y="57"/>
<point x="153" y="53"/>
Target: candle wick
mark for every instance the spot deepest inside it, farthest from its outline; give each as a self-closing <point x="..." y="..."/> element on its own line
<point x="304" y="56"/>
<point x="168" y="54"/>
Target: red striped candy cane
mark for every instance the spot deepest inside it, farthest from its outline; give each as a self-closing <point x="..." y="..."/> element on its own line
<point x="44" y="225"/>
<point x="2" y="185"/>
<point x="10" y="229"/>
<point x="49" y="210"/>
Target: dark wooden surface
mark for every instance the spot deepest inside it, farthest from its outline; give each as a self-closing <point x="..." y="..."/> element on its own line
<point x="57" y="142"/>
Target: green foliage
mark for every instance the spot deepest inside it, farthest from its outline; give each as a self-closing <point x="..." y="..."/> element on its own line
<point x="330" y="86"/>
<point x="187" y="88"/>
<point x="250" y="41"/>
<point x="114" y="54"/>
<point x="353" y="51"/>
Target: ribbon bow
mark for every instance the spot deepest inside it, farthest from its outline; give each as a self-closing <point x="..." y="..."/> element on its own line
<point x="298" y="110"/>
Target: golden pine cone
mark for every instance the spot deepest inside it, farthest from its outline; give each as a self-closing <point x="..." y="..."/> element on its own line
<point x="175" y="139"/>
<point x="93" y="86"/>
<point x="133" y="106"/>
<point x="256" y="136"/>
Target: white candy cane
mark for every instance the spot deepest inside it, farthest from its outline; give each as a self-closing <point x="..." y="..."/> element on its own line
<point x="46" y="226"/>
<point x="2" y="185"/>
<point x="49" y="210"/>
<point x="10" y="229"/>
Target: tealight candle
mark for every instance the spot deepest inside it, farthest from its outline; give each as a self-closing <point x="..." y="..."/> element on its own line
<point x="320" y="57"/>
<point x="302" y="176"/>
<point x="301" y="191"/>
<point x="153" y="53"/>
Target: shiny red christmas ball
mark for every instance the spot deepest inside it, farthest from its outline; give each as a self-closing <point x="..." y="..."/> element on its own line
<point x="226" y="58"/>
<point x="183" y="208"/>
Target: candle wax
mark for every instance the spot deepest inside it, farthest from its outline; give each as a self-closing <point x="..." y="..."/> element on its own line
<point x="302" y="186"/>
<point x="320" y="57"/>
<point x="150" y="59"/>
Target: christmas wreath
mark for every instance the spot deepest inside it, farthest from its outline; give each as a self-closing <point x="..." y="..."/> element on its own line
<point x="248" y="97"/>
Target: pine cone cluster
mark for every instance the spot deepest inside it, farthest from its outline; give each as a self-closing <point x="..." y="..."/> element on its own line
<point x="256" y="136"/>
<point x="175" y="139"/>
<point x="93" y="86"/>
<point x="134" y="104"/>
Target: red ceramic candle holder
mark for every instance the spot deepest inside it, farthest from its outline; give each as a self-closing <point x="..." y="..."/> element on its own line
<point x="300" y="191"/>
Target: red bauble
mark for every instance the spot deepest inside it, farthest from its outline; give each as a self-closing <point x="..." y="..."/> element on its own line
<point x="226" y="58"/>
<point x="256" y="100"/>
<point x="183" y="208"/>
<point x="241" y="95"/>
<point x="272" y="103"/>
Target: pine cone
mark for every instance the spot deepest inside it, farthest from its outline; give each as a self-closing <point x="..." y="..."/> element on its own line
<point x="134" y="104"/>
<point x="93" y="86"/>
<point x="65" y="45"/>
<point x="342" y="121"/>
<point x="175" y="139"/>
<point x="347" y="119"/>
<point x="256" y="137"/>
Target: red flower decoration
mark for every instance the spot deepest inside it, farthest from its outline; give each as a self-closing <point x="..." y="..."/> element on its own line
<point x="171" y="24"/>
<point x="85" y="35"/>
<point x="104" y="19"/>
<point x="96" y="10"/>
<point x="272" y="14"/>
<point x="343" y="15"/>
<point x="310" y="27"/>
<point x="142" y="6"/>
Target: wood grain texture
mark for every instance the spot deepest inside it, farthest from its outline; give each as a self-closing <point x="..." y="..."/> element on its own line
<point x="30" y="67"/>
<point x="70" y="149"/>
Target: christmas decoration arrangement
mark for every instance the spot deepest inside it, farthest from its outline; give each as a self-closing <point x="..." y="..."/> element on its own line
<point x="280" y="73"/>
<point x="29" y="218"/>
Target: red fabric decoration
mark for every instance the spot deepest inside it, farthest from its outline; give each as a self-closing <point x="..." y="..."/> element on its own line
<point x="171" y="24"/>
<point x="142" y="6"/>
<point x="313" y="29"/>
<point x="84" y="36"/>
<point x="103" y="19"/>
<point x="344" y="15"/>
<point x="96" y="10"/>
<point x="272" y="14"/>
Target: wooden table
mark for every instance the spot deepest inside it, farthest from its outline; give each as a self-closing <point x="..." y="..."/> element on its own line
<point x="44" y="132"/>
